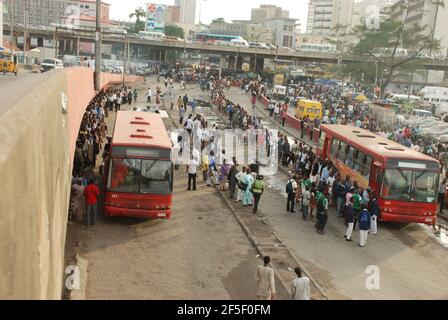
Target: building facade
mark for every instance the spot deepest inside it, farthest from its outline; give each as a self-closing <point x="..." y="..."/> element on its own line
<point x="172" y="14"/>
<point x="251" y="32"/>
<point x="433" y="18"/>
<point x="265" y="12"/>
<point x="284" y="31"/>
<point x="188" y="9"/>
<point x="320" y="17"/>
<point x="45" y="12"/>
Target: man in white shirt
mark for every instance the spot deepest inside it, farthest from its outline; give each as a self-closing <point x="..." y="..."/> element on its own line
<point x="149" y="94"/>
<point x="300" y="286"/>
<point x="265" y="281"/>
<point x="189" y="124"/>
<point x="192" y="169"/>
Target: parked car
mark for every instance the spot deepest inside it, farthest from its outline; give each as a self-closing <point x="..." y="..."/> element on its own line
<point x="51" y="64"/>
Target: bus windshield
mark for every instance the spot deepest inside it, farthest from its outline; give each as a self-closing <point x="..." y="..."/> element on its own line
<point x="409" y="185"/>
<point x="141" y="176"/>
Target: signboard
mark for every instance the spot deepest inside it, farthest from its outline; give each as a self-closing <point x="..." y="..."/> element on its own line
<point x="245" y="67"/>
<point x="155" y="17"/>
<point x="279" y="78"/>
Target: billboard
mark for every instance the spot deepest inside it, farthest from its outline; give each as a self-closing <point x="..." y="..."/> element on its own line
<point x="155" y="17"/>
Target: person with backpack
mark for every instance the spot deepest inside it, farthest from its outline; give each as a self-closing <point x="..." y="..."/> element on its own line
<point x="357" y="202"/>
<point x="322" y="210"/>
<point x="364" y="225"/>
<point x="257" y="191"/>
<point x="349" y="218"/>
<point x="291" y="187"/>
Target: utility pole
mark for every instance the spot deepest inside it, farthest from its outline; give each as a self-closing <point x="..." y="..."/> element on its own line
<point x="98" y="47"/>
<point x="25" y="30"/>
<point x="11" y="15"/>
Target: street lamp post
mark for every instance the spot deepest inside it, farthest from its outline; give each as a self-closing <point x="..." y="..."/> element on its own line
<point x="98" y="47"/>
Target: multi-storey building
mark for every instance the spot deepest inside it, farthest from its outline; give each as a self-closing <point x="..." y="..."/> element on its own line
<point x="188" y="10"/>
<point x="46" y="12"/>
<point x="320" y="17"/>
<point x="172" y="14"/>
<point x="265" y="12"/>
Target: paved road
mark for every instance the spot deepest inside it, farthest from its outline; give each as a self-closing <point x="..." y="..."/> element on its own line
<point x="13" y="89"/>
<point x="412" y="260"/>
<point x="200" y="253"/>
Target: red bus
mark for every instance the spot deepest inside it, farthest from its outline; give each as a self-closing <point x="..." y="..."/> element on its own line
<point x="138" y="172"/>
<point x="405" y="181"/>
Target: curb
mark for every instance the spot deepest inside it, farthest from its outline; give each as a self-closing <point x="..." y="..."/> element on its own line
<point x="80" y="294"/>
<point x="261" y="251"/>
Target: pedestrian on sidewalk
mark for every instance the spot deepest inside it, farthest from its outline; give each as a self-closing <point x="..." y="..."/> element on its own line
<point x="149" y="95"/>
<point x="78" y="200"/>
<point x="223" y="175"/>
<point x="322" y="210"/>
<point x="248" y="179"/>
<point x="257" y="191"/>
<point x="442" y="191"/>
<point x="349" y="218"/>
<point x="91" y="192"/>
<point x="374" y="210"/>
<point x="265" y="281"/>
<point x="135" y="95"/>
<point x="232" y="179"/>
<point x="192" y="169"/>
<point x="291" y="188"/>
<point x="240" y="186"/>
<point x="357" y="205"/>
<point x="306" y="197"/>
<point x="364" y="225"/>
<point x="271" y="108"/>
<point x="300" y="288"/>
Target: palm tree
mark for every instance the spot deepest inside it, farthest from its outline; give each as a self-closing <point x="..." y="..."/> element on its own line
<point x="138" y="13"/>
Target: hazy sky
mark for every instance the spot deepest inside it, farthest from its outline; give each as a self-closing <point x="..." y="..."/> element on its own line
<point x="229" y="9"/>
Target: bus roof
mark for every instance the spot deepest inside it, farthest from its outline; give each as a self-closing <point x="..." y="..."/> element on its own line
<point x="140" y="129"/>
<point x="372" y="143"/>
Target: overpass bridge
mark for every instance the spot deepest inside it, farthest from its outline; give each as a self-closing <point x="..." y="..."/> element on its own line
<point x="226" y="52"/>
<point x="40" y="116"/>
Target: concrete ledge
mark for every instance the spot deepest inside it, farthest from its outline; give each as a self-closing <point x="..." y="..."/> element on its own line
<point x="80" y="294"/>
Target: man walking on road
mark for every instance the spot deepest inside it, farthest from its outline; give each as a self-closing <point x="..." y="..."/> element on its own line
<point x="265" y="281"/>
<point x="300" y="286"/>
<point x="442" y="190"/>
<point x="257" y="190"/>
<point x="192" y="169"/>
<point x="91" y="192"/>
<point x="291" y="188"/>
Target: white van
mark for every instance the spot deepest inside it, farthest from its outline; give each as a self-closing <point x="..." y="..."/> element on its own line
<point x="421" y="113"/>
<point x="279" y="91"/>
<point x="239" y="43"/>
<point x="50" y="64"/>
<point x="437" y="96"/>
<point x="149" y="35"/>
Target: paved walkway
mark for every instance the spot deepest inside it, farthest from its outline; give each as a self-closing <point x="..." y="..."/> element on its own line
<point x="200" y="253"/>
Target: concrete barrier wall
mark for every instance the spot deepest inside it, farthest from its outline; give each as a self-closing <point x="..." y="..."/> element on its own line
<point x="36" y="150"/>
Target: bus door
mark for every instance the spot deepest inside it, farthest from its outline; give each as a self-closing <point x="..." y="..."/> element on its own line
<point x="376" y="176"/>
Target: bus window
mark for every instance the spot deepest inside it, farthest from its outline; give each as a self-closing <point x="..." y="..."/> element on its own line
<point x="156" y="177"/>
<point x="349" y="156"/>
<point x="321" y="139"/>
<point x="366" y="164"/>
<point x="342" y="151"/>
<point x="124" y="175"/>
<point x="357" y="158"/>
<point x="334" y="147"/>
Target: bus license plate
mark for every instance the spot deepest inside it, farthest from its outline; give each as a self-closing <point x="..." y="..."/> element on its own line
<point x="428" y="219"/>
<point x="161" y="214"/>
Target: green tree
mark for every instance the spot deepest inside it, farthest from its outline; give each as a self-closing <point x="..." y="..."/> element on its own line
<point x="382" y="50"/>
<point x="139" y="25"/>
<point x="174" y="31"/>
<point x="218" y="20"/>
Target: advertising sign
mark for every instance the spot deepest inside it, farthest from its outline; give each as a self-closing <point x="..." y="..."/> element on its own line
<point x="155" y="17"/>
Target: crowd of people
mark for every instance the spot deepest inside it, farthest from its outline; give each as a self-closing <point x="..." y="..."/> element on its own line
<point x="93" y="134"/>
